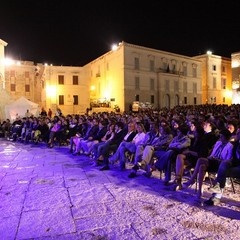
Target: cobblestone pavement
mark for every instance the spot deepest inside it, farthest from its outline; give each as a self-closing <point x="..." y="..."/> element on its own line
<point x="46" y="193"/>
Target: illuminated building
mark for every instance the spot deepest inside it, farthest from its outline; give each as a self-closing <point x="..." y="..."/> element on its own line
<point x="216" y="79"/>
<point x="121" y="76"/>
<point x="236" y="77"/>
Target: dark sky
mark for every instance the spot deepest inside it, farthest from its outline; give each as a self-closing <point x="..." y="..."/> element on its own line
<point x="75" y="32"/>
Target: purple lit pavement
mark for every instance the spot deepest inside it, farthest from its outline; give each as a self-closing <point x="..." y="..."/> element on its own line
<point x="46" y="193"/>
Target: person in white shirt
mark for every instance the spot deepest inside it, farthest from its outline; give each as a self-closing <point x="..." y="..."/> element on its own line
<point x="128" y="146"/>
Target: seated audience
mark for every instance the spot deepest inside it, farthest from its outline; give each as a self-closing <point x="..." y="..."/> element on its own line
<point x="112" y="145"/>
<point x="97" y="148"/>
<point x="201" y="145"/>
<point x="158" y="146"/>
<point x="56" y="127"/>
<point x="226" y="168"/>
<point x="128" y="146"/>
<point x="179" y="143"/>
<point x="222" y="151"/>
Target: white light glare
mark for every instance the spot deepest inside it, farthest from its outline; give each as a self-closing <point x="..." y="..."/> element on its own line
<point x="235" y="64"/>
<point x="114" y="47"/>
<point x="8" y="62"/>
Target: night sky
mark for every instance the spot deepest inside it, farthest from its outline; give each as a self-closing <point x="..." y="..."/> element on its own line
<point x="75" y="32"/>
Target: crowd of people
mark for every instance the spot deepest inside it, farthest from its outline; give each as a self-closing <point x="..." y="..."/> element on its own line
<point x="186" y="139"/>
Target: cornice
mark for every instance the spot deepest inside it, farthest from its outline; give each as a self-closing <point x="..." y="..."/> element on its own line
<point x="3" y="43"/>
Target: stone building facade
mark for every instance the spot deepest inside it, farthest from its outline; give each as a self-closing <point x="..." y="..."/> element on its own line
<point x="235" y="78"/>
<point x="135" y="73"/>
<point x="216" y="79"/>
<point x="123" y="75"/>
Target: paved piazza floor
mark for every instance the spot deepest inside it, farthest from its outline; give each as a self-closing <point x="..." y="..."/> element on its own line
<point x="46" y="193"/>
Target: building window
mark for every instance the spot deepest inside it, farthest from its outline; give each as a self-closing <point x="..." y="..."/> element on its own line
<point x="214" y="67"/>
<point x="223" y="69"/>
<point x="214" y="82"/>
<point x="152" y="99"/>
<point x="194" y="100"/>
<point x="60" y="79"/>
<point x="224" y="99"/>
<point x="137" y="97"/>
<point x="174" y="68"/>
<point x="136" y="63"/>
<point x="167" y="87"/>
<point x="75" y="80"/>
<point x="176" y="86"/>
<point x="12" y="73"/>
<point x="61" y="99"/>
<point x="137" y="83"/>
<point x="27" y="88"/>
<point x="27" y="74"/>
<point x="152" y="84"/>
<point x="75" y="99"/>
<point x="168" y="69"/>
<point x="194" y="72"/>
<point x="13" y="87"/>
<point x="184" y="70"/>
<point x="185" y="87"/>
<point x="152" y="65"/>
<point x="185" y="100"/>
<point x="98" y="74"/>
<point x="194" y="88"/>
<point x="164" y="64"/>
<point x="223" y="83"/>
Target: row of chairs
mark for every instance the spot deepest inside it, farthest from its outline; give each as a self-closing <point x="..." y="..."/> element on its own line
<point x="233" y="176"/>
